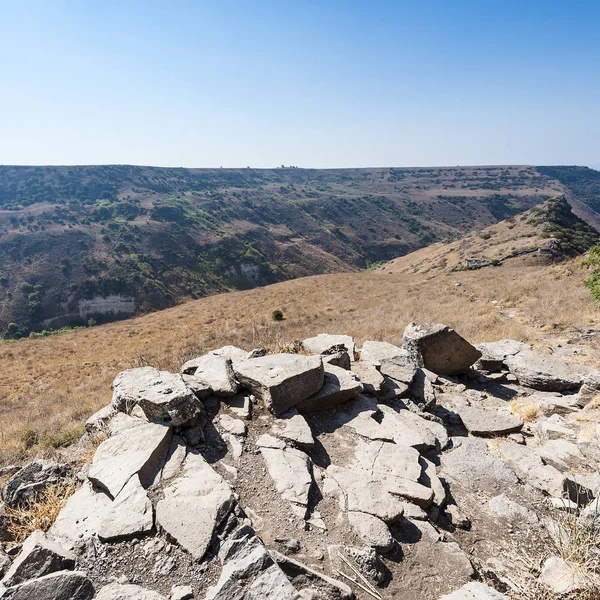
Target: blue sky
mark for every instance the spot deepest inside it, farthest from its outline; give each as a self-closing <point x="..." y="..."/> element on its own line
<point x="314" y="84"/>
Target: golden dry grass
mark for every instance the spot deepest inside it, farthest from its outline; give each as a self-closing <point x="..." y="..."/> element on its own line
<point x="49" y="386"/>
<point x="38" y="513"/>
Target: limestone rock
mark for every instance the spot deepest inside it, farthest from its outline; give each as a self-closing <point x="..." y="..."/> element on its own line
<point x="292" y="426"/>
<point x="290" y="470"/>
<point x="560" y="576"/>
<point x="589" y="390"/>
<point x="339" y="359"/>
<point x="488" y="421"/>
<point x="475" y="591"/>
<point x="39" y="556"/>
<point x="421" y="389"/>
<point x="81" y="516"/>
<point x="194" y="504"/>
<point x="159" y="394"/>
<point x="62" y="585"/>
<point x="372" y="530"/>
<point x="339" y="386"/>
<point x="430" y="479"/>
<point x="31" y="479"/>
<point x="235" y="354"/>
<point x="137" y="450"/>
<point x="182" y="592"/>
<point x="545" y="373"/>
<point x="231" y="425"/>
<point x="370" y="377"/>
<point x="374" y="353"/>
<point x="216" y="371"/>
<point x="439" y="348"/>
<point x="494" y="354"/>
<point x="281" y="380"/>
<point x="401" y="368"/>
<point x="99" y="420"/>
<point x="118" y="591"/>
<point x="502" y="506"/>
<point x="241" y="405"/>
<point x="129" y="515"/>
<point x="325" y="343"/>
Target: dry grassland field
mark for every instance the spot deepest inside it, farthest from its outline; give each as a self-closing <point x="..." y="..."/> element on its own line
<point x="49" y="386"/>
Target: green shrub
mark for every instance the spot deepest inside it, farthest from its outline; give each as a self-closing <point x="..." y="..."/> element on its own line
<point x="277" y="315"/>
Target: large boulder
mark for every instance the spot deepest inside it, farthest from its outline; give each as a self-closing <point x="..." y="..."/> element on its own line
<point x="137" y="450"/>
<point x="545" y="373"/>
<point x="325" y="343"/>
<point x="216" y="371"/>
<point x="194" y="505"/>
<point x="62" y="585"/>
<point x="439" y="348"/>
<point x="281" y="381"/>
<point x="494" y="354"/>
<point x="339" y="385"/>
<point x="39" y="556"/>
<point x="30" y="480"/>
<point x="159" y="394"/>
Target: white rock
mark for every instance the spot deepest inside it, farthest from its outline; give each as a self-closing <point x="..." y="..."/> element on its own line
<point x="118" y="591"/>
<point x="216" y="370"/>
<point x="292" y="426"/>
<point x="475" y="591"/>
<point x="324" y="342"/>
<point x="560" y="576"/>
<point x="231" y="425"/>
<point x="502" y="506"/>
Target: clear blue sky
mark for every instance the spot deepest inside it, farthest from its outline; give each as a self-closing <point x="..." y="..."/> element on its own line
<point x="310" y="83"/>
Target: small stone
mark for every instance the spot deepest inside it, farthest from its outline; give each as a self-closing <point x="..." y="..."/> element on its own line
<point x="182" y="592"/>
<point x="231" y="425"/>
<point x="290" y="544"/>
<point x="559" y="576"/>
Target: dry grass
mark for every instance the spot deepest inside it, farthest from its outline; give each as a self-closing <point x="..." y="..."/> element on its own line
<point x="39" y="512"/>
<point x="526" y="411"/>
<point x="49" y="386"/>
<point x="579" y="545"/>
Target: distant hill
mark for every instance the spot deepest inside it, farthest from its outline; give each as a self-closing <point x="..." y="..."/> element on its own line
<point x="80" y="243"/>
<point x="546" y="233"/>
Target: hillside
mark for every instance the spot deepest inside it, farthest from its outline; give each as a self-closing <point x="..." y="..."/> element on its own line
<point x="80" y="243"/>
<point x="546" y="233"/>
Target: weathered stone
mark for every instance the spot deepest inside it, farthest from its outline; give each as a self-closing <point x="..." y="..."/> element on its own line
<point x="561" y="577"/>
<point x="589" y="390"/>
<point x="62" y="585"/>
<point x="159" y="394"/>
<point x="5" y="562"/>
<point x="235" y="354"/>
<point x="372" y="530"/>
<point x="430" y="479"/>
<point x="292" y="426"/>
<point x="475" y="591"/>
<point x="339" y="359"/>
<point x="421" y="389"/>
<point x="385" y="459"/>
<point x="494" y="354"/>
<point x="216" y="371"/>
<point x="457" y="518"/>
<point x="270" y="441"/>
<point x="545" y="373"/>
<point x="39" y="556"/>
<point x="174" y="460"/>
<point x="370" y="377"/>
<point x="488" y="421"/>
<point x="99" y="420"/>
<point x="119" y="591"/>
<point x="374" y="353"/>
<point x="554" y="428"/>
<point x="130" y="514"/>
<point x="339" y="386"/>
<point x="409" y="429"/>
<point x="502" y="506"/>
<point x="241" y="405"/>
<point x="137" y="450"/>
<point x="231" y="425"/>
<point x="290" y="470"/>
<point x="401" y="369"/>
<point x="81" y="516"/>
<point x="272" y="583"/>
<point x="282" y="381"/>
<point x="182" y="592"/>
<point x="325" y="343"/>
<point x="472" y="465"/>
<point x="31" y="479"/>
<point x="303" y="578"/>
<point x="198" y="386"/>
<point x="194" y="504"/>
<point x="439" y="348"/>
<point x="121" y="421"/>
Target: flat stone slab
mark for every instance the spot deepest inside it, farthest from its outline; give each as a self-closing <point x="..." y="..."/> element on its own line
<point x="292" y="426"/>
<point x="129" y="515"/>
<point x="81" y="516"/>
<point x="290" y="469"/>
<point x="39" y="556"/>
<point x="439" y="348"/>
<point x="503" y="506"/>
<point x="232" y="425"/>
<point x="488" y="421"/>
<point x="374" y="352"/>
<point x="561" y="577"/>
<point x="370" y="377"/>
<point x="194" y="504"/>
<point x="118" y="591"/>
<point x="545" y="373"/>
<point x="325" y="343"/>
<point x="372" y="530"/>
<point x="401" y="368"/>
<point x="281" y="381"/>
<point x="494" y="354"/>
<point x="159" y="394"/>
<point x="216" y="371"/>
<point x="62" y="585"/>
<point x="475" y="591"/>
<point x="137" y="450"/>
<point x="409" y="429"/>
<point x="339" y="386"/>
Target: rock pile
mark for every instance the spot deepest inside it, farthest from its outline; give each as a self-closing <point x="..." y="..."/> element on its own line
<point x="372" y="466"/>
